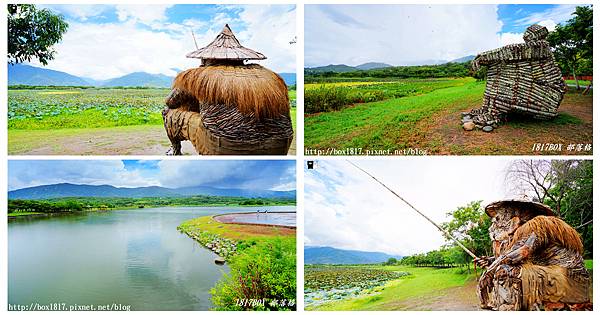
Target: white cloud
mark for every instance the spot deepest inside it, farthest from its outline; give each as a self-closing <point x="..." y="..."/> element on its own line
<point x="397" y="34"/>
<point x="142" y="13"/>
<point x="244" y="174"/>
<point x="275" y="175"/>
<point x="555" y="14"/>
<point x="511" y="38"/>
<point x="28" y="173"/>
<point x="81" y="12"/>
<point x="346" y="209"/>
<point x="270" y="31"/>
<point x="145" y="41"/>
<point x="103" y="51"/>
<point x="549" y="24"/>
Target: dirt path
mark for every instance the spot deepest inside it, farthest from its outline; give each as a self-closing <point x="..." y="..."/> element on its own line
<point x="572" y="126"/>
<point x="462" y="298"/>
<point x="130" y="140"/>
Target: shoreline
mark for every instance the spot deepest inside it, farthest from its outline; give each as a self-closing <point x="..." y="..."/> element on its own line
<point x="42" y="215"/>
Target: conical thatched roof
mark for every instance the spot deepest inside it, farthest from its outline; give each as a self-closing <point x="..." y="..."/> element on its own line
<point x="226" y="47"/>
<point x="522" y="206"/>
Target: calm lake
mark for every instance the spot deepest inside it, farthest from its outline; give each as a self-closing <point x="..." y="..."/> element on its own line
<point x="129" y="257"/>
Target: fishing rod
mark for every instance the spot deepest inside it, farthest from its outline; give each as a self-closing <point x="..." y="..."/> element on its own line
<point x="419" y="212"/>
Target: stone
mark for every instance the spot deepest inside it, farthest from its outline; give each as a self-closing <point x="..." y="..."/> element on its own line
<point x="488" y="128"/>
<point x="220" y="260"/>
<point x="468" y="126"/>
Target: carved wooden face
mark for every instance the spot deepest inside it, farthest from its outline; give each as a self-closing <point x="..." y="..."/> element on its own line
<point x="504" y="225"/>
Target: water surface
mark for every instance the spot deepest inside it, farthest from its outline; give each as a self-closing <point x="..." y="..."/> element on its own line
<point x="131" y="257"/>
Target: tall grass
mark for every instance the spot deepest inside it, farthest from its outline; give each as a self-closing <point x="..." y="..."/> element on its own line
<point x="335" y="96"/>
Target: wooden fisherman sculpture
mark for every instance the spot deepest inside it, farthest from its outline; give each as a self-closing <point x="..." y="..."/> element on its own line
<point x="521" y="78"/>
<point x="226" y="106"/>
<point x="537" y="261"/>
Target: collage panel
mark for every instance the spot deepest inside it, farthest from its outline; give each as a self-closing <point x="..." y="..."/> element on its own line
<point x="431" y="79"/>
<point x="171" y="235"/>
<point x="349" y="208"/>
<point x="418" y="235"/>
<point x="152" y="79"/>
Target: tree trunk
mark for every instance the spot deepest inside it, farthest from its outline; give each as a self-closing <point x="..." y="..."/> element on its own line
<point x="575" y="76"/>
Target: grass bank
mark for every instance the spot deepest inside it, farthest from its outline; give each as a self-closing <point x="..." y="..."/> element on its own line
<point x="431" y="122"/>
<point x="424" y="289"/>
<point x="262" y="264"/>
<point x="386" y="124"/>
<point x="397" y="294"/>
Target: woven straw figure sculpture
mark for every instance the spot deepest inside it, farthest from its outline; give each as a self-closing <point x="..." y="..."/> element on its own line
<point x="537" y="262"/>
<point x="521" y="78"/>
<point x="226" y="106"/>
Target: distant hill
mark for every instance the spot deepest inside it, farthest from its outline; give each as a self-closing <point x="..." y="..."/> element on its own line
<point x="331" y="255"/>
<point x="331" y="68"/>
<point x="141" y="79"/>
<point x="20" y="74"/>
<point x="463" y="59"/>
<point x="29" y="75"/>
<point x="289" y="78"/>
<point x="76" y="190"/>
<point x="373" y="65"/>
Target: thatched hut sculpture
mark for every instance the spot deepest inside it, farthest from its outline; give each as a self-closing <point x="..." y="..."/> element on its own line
<point x="521" y="78"/>
<point x="226" y="106"/>
<point x="537" y="262"/>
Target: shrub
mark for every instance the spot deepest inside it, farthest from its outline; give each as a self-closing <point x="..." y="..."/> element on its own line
<point x="263" y="272"/>
<point x="325" y="99"/>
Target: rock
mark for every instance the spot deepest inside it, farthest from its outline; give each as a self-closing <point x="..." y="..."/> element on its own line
<point x="220" y="260"/>
<point x="488" y="128"/>
<point x="468" y="126"/>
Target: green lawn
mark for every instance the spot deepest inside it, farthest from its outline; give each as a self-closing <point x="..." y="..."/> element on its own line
<point x="589" y="264"/>
<point x="583" y="83"/>
<point x="23" y="213"/>
<point x="418" y="291"/>
<point x="384" y="124"/>
<point x="90" y="121"/>
<point x="422" y="281"/>
<point x="429" y="123"/>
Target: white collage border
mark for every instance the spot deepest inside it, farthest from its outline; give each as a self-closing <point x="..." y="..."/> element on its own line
<point x="300" y="157"/>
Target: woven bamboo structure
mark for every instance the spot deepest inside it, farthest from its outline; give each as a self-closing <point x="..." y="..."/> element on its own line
<point x="226" y="106"/>
<point x="521" y="78"/>
<point x="537" y="262"/>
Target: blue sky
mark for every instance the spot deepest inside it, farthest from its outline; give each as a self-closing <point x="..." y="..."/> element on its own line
<point x="417" y="34"/>
<point x="245" y="174"/>
<point x="345" y="208"/>
<point x="107" y="41"/>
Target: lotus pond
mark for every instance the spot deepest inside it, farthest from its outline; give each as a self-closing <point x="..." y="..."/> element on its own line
<point x="329" y="283"/>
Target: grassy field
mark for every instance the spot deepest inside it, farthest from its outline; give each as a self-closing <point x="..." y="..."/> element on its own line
<point x="421" y="284"/>
<point x="583" y="83"/>
<point x="424" y="289"/>
<point x="431" y="122"/>
<point x="236" y="231"/>
<point x="23" y="214"/>
<point x="76" y="121"/>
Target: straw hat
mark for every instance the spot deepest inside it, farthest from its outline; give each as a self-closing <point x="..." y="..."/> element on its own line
<point x="226" y="47"/>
